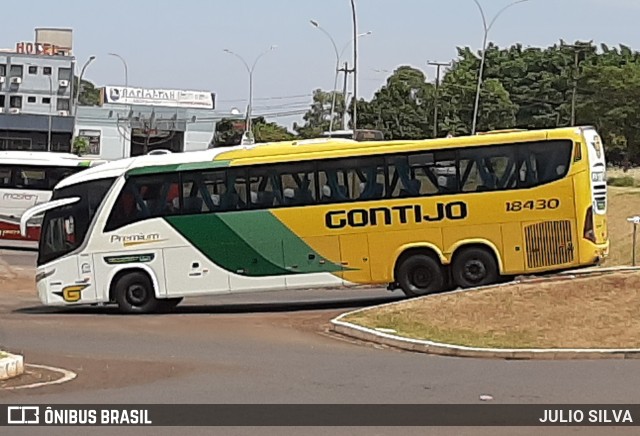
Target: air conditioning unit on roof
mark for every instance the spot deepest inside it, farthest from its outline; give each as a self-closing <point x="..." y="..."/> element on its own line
<point x="63" y="83"/>
<point x="16" y="80"/>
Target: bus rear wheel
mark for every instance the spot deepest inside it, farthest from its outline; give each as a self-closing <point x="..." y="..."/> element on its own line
<point x="474" y="267"/>
<point x="420" y="275"/>
<point x="134" y="294"/>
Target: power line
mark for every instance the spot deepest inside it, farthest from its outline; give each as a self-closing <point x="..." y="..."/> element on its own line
<point x="284" y="97"/>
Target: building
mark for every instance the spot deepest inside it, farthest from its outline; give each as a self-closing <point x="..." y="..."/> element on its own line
<point x="37" y="107"/>
<point x="134" y="121"/>
<point x="36" y="97"/>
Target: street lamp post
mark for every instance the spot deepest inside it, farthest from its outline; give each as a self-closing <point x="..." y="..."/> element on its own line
<point x="355" y="66"/>
<point x="126" y="70"/>
<point x="77" y="96"/>
<point x="247" y="138"/>
<point x="337" y="69"/>
<point x="50" y="110"/>
<point x="487" y="28"/>
<point x="438" y="65"/>
<point x="126" y="89"/>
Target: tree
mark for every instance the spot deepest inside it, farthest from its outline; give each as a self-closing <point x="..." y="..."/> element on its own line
<point x="270" y="132"/>
<point x="229" y="132"/>
<point x="402" y="108"/>
<point x="317" y="118"/>
<point x="80" y="145"/>
<point x="611" y="106"/>
<point x="89" y="94"/>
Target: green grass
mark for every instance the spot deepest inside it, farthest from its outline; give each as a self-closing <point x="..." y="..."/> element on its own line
<point x="3" y="355"/>
<point x="624" y="181"/>
<point x="595" y="312"/>
<point x="623" y="203"/>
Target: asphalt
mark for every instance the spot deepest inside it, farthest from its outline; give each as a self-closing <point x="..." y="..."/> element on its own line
<point x="273" y="348"/>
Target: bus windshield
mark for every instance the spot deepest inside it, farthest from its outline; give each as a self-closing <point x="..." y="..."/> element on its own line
<point x="64" y="228"/>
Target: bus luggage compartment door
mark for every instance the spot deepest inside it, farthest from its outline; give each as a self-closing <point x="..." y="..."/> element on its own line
<point x="354" y="257"/>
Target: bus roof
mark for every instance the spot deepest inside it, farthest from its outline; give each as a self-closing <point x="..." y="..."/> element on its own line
<point x="45" y="158"/>
<point x="286" y="151"/>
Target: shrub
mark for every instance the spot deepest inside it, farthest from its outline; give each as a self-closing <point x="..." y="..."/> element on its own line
<point x="625" y="181"/>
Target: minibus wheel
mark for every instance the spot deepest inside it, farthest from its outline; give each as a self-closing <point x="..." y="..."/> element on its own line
<point x="474" y="267"/>
<point x="135" y="294"/>
<point x="420" y="274"/>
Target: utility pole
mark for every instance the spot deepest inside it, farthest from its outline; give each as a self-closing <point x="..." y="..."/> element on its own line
<point x="577" y="48"/>
<point x="346" y="72"/>
<point x="438" y="65"/>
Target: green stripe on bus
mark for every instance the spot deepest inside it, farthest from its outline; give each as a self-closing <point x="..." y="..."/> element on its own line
<point x="251" y="243"/>
<point x="172" y="168"/>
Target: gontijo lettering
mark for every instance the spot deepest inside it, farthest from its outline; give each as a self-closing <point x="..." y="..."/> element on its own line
<point x="387" y="216"/>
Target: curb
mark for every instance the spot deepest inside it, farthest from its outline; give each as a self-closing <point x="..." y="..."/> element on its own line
<point x="444" y="349"/>
<point x="11" y="365"/>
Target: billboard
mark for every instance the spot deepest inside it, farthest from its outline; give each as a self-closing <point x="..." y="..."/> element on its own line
<point x="159" y="97"/>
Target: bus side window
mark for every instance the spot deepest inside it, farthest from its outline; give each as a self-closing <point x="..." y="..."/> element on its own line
<point x="333" y="186"/>
<point x="402" y="182"/>
<point x="265" y="190"/>
<point x="235" y="197"/>
<point x="548" y="156"/>
<point x="487" y="168"/>
<point x="152" y="198"/>
<point x="370" y="176"/>
<point x="5" y="177"/>
<point x="298" y="184"/>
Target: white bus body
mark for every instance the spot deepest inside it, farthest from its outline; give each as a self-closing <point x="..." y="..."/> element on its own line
<point x="80" y="259"/>
<point x="26" y="179"/>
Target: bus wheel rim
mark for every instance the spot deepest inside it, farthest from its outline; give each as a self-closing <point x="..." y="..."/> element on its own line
<point x="475" y="271"/>
<point x="421" y="277"/>
<point x="136" y="294"/>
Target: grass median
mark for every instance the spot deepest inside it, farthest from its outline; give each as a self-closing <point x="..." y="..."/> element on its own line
<point x="594" y="312"/>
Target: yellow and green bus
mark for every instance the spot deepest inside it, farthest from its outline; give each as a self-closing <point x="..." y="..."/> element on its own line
<point x="422" y="216"/>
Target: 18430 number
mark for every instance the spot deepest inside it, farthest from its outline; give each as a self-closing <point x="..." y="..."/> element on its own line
<point x="542" y="204"/>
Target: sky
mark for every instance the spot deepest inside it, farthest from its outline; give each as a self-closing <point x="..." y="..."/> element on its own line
<point x="180" y="45"/>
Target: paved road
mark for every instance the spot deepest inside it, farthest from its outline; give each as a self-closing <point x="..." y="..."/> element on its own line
<point x="17" y="258"/>
<point x="262" y="349"/>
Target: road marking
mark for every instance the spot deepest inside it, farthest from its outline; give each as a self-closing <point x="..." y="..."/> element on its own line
<point x="66" y="377"/>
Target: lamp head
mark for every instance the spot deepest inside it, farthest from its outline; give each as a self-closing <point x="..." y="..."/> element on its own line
<point x="314" y="23"/>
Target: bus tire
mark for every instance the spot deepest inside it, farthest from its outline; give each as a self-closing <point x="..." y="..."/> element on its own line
<point x="474" y="267"/>
<point x="135" y="294"/>
<point x="420" y="275"/>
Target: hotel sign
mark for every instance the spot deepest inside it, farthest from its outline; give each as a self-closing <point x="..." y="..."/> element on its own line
<point x="159" y="97"/>
<point x="37" y="48"/>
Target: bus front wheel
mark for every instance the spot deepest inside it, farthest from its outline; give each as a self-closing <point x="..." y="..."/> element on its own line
<point x="474" y="267"/>
<point x="419" y="275"/>
<point x="135" y="294"/>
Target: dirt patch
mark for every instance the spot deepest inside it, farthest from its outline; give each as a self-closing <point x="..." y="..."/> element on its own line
<point x="595" y="312"/>
<point x="96" y="373"/>
<point x="623" y="203"/>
